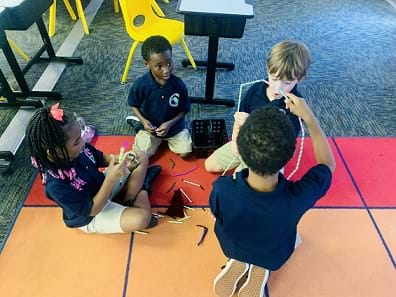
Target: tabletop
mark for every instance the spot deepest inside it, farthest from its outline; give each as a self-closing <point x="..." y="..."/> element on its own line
<point x="226" y="7"/>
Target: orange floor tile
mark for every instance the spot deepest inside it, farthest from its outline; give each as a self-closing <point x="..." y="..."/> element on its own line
<point x="43" y="258"/>
<point x="341" y="255"/>
<point x="168" y="262"/>
<point x="386" y="221"/>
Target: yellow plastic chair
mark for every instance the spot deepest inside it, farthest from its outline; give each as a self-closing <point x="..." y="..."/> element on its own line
<point x="151" y="24"/>
<point x="80" y="11"/>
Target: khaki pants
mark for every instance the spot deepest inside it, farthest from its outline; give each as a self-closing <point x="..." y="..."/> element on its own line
<point x="224" y="157"/>
<point x="146" y="142"/>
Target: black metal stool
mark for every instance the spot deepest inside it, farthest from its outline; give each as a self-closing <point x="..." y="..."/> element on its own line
<point x="19" y="15"/>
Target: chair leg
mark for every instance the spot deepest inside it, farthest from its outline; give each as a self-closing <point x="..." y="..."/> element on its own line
<point x="70" y="10"/>
<point x="157" y="9"/>
<point x="81" y="15"/>
<point x="18" y="50"/>
<point x="129" y="61"/>
<point x="52" y="16"/>
<point x="188" y="53"/>
<point x="116" y="6"/>
<point x="52" y="20"/>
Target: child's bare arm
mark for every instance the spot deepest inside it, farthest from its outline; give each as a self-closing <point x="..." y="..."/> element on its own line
<point x="240" y="118"/>
<point x="323" y="153"/>
<point x="114" y="174"/>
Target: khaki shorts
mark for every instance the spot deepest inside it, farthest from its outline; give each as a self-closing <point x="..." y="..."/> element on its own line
<point x="224" y="157"/>
<point x="146" y="142"/>
<point x="108" y="220"/>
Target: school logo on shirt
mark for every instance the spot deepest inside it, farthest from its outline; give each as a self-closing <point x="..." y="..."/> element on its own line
<point x="174" y="100"/>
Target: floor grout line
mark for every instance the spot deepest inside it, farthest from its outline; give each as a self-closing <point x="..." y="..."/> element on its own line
<point x="128" y="266"/>
<point x="365" y="204"/>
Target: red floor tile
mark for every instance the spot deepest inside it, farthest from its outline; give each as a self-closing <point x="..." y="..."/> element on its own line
<point x="342" y="191"/>
<point x="372" y="162"/>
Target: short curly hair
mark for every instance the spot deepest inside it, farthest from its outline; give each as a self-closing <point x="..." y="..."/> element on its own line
<point x="155" y="45"/>
<point x="266" y="141"/>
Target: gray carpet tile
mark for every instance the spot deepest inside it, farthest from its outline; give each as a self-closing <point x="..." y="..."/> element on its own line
<point x="350" y="84"/>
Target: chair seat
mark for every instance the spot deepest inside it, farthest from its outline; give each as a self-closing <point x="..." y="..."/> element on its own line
<point x="172" y="30"/>
<point x="143" y="19"/>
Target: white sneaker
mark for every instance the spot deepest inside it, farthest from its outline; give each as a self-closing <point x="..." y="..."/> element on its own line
<point x="255" y="283"/>
<point x="134" y="122"/>
<point x="132" y="117"/>
<point x="225" y="284"/>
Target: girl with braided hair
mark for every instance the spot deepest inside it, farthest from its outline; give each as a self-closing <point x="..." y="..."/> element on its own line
<point x="69" y="168"/>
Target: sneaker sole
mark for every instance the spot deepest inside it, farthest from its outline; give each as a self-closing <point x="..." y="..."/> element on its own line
<point x="131" y="117"/>
<point x="225" y="283"/>
<point x="255" y="283"/>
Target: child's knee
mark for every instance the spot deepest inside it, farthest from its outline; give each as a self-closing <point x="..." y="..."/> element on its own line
<point x="211" y="165"/>
<point x="143" y="220"/>
<point x="142" y="157"/>
<point x="135" y="218"/>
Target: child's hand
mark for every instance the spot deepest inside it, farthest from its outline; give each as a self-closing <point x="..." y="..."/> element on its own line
<point x="240" y="117"/>
<point x="135" y="158"/>
<point x="115" y="172"/>
<point x="148" y="126"/>
<point x="298" y="106"/>
<point x="132" y="160"/>
<point x="163" y="129"/>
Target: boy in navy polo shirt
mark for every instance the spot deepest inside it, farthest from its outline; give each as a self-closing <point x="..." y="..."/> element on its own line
<point x="160" y="101"/>
<point x="287" y="64"/>
<point x="257" y="213"/>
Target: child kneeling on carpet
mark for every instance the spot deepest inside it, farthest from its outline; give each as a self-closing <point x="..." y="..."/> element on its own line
<point x="257" y="213"/>
<point x="159" y="101"/>
<point x="69" y="170"/>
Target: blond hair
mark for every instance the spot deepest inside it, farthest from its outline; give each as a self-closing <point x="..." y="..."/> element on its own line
<point x="289" y="60"/>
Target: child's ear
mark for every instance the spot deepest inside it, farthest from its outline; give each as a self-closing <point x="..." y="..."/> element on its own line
<point x="145" y="63"/>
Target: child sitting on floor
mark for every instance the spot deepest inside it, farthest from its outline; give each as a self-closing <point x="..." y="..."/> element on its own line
<point x="257" y="213"/>
<point x="287" y="65"/>
<point x="69" y="169"/>
<point x="159" y="101"/>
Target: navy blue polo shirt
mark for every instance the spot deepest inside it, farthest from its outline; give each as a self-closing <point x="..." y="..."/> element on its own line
<point x="73" y="189"/>
<point x="158" y="103"/>
<point x="256" y="97"/>
<point x="260" y="227"/>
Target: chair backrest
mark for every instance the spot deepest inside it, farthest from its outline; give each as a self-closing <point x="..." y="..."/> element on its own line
<point x="137" y="14"/>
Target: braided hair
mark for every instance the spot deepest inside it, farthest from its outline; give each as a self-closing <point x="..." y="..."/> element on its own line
<point x="47" y="139"/>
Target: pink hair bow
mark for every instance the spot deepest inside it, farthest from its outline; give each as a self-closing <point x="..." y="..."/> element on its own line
<point x="56" y="112"/>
